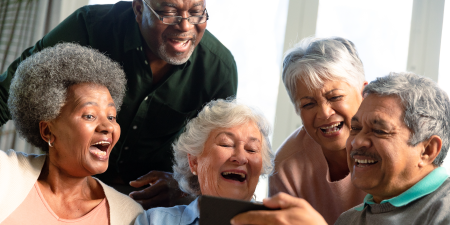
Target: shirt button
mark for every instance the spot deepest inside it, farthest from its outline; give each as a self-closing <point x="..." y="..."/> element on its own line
<point x="146" y="63"/>
<point x="145" y="99"/>
<point x="134" y="127"/>
<point x="141" y="48"/>
<point x="126" y="148"/>
<point x="121" y="162"/>
<point x="137" y="48"/>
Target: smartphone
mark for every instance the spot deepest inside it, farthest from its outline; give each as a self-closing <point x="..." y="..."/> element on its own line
<point x="219" y="211"/>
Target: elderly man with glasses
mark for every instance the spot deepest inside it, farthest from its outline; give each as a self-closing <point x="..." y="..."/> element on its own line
<point x="399" y="138"/>
<point x="173" y="67"/>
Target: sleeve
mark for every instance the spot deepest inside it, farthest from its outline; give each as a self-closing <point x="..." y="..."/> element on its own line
<point x="72" y="29"/>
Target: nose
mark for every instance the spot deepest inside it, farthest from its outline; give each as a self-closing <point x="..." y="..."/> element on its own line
<point x="325" y="111"/>
<point x="105" y="126"/>
<point x="360" y="140"/>
<point x="239" y="155"/>
<point x="185" y="25"/>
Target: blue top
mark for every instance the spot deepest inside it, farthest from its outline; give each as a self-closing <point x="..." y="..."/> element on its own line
<point x="427" y="185"/>
<point x="180" y="214"/>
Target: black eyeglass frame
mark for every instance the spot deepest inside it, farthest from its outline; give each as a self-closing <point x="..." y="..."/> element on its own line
<point x="180" y="18"/>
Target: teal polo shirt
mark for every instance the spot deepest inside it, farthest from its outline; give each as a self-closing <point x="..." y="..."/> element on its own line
<point x="427" y="185"/>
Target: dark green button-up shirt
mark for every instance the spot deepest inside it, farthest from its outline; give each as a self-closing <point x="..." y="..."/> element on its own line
<point x="152" y="116"/>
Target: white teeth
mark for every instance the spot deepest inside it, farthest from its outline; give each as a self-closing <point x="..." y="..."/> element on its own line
<point x="227" y="173"/>
<point x="103" y="143"/>
<point x="180" y="41"/>
<point x="365" y="161"/>
<point x="334" y="125"/>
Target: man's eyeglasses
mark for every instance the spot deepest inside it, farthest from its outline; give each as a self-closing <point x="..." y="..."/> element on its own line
<point x="174" y="20"/>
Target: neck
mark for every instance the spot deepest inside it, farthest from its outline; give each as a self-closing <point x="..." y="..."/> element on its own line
<point x="58" y="183"/>
<point x="337" y="164"/>
<point x="158" y="66"/>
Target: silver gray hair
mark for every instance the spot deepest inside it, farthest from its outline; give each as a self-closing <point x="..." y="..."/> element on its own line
<point x="316" y="60"/>
<point x="216" y="114"/>
<point x="427" y="107"/>
<point x="39" y="88"/>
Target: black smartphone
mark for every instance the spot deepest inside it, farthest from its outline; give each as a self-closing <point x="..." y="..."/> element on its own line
<point x="219" y="211"/>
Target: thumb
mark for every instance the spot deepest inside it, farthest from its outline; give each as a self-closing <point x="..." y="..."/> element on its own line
<point x="282" y="201"/>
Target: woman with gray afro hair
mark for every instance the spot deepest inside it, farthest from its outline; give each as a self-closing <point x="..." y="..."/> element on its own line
<point x="39" y="89"/>
<point x="222" y="153"/>
<point x="64" y="100"/>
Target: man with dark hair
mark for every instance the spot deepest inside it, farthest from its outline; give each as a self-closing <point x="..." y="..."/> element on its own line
<point x="173" y="67"/>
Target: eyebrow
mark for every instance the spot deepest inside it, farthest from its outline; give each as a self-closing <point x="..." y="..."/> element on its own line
<point x="326" y="93"/>
<point x="232" y="135"/>
<point x="111" y="104"/>
<point x="174" y="5"/>
<point x="355" y="119"/>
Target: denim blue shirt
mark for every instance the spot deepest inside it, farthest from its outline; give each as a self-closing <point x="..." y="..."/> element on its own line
<point x="180" y="214"/>
<point x="427" y="185"/>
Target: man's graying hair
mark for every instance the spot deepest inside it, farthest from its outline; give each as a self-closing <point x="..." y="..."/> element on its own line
<point x="427" y="107"/>
<point x="39" y="88"/>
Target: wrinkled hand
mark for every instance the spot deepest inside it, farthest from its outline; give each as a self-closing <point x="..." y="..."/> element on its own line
<point x="292" y="211"/>
<point x="163" y="190"/>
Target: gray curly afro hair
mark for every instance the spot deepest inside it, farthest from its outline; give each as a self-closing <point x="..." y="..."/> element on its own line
<point x="39" y="88"/>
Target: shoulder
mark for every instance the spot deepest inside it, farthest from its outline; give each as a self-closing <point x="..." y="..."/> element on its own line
<point x="212" y="47"/>
<point x="123" y="209"/>
<point x="19" y="160"/>
<point x="161" y="215"/>
<point x="350" y="215"/>
<point x="298" y="144"/>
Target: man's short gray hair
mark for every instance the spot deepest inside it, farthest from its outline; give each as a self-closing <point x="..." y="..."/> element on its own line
<point x="427" y="107"/>
<point x="216" y="114"/>
<point x="39" y="88"/>
<point x="316" y="60"/>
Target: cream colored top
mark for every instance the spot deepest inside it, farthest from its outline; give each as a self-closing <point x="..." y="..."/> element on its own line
<point x="19" y="172"/>
<point x="301" y="170"/>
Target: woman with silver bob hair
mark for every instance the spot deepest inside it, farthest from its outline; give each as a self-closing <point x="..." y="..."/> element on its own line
<point x="222" y="152"/>
<point x="324" y="78"/>
<point x="64" y="100"/>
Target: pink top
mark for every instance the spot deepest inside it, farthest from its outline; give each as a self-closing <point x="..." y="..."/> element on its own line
<point x="301" y="170"/>
<point x="35" y="210"/>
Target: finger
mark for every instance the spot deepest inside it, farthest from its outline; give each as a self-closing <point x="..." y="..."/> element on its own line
<point x="257" y="217"/>
<point x="158" y="188"/>
<point x="283" y="201"/>
<point x="148" y="178"/>
<point x="157" y="201"/>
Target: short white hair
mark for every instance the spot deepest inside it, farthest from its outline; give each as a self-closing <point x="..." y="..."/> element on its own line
<point x="216" y="114"/>
<point x="316" y="60"/>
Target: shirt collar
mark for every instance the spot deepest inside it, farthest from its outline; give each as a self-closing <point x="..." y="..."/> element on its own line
<point x="427" y="185"/>
<point x="191" y="213"/>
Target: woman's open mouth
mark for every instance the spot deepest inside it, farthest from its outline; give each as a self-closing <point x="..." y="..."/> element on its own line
<point x="241" y="177"/>
<point x="332" y="129"/>
<point x="100" y="148"/>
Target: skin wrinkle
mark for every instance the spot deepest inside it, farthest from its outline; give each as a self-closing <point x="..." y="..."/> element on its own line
<point x="225" y="152"/>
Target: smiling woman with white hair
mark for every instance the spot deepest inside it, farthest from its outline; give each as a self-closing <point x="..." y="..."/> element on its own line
<point x="221" y="153"/>
<point x="324" y="78"/>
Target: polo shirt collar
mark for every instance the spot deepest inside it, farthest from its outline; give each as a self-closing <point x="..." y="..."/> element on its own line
<point x="427" y="185"/>
<point x="190" y="213"/>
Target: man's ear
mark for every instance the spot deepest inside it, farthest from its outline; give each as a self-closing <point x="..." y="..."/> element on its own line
<point x="192" y="162"/>
<point x="138" y="8"/>
<point x="432" y="148"/>
<point x="362" y="89"/>
<point x="44" y="130"/>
